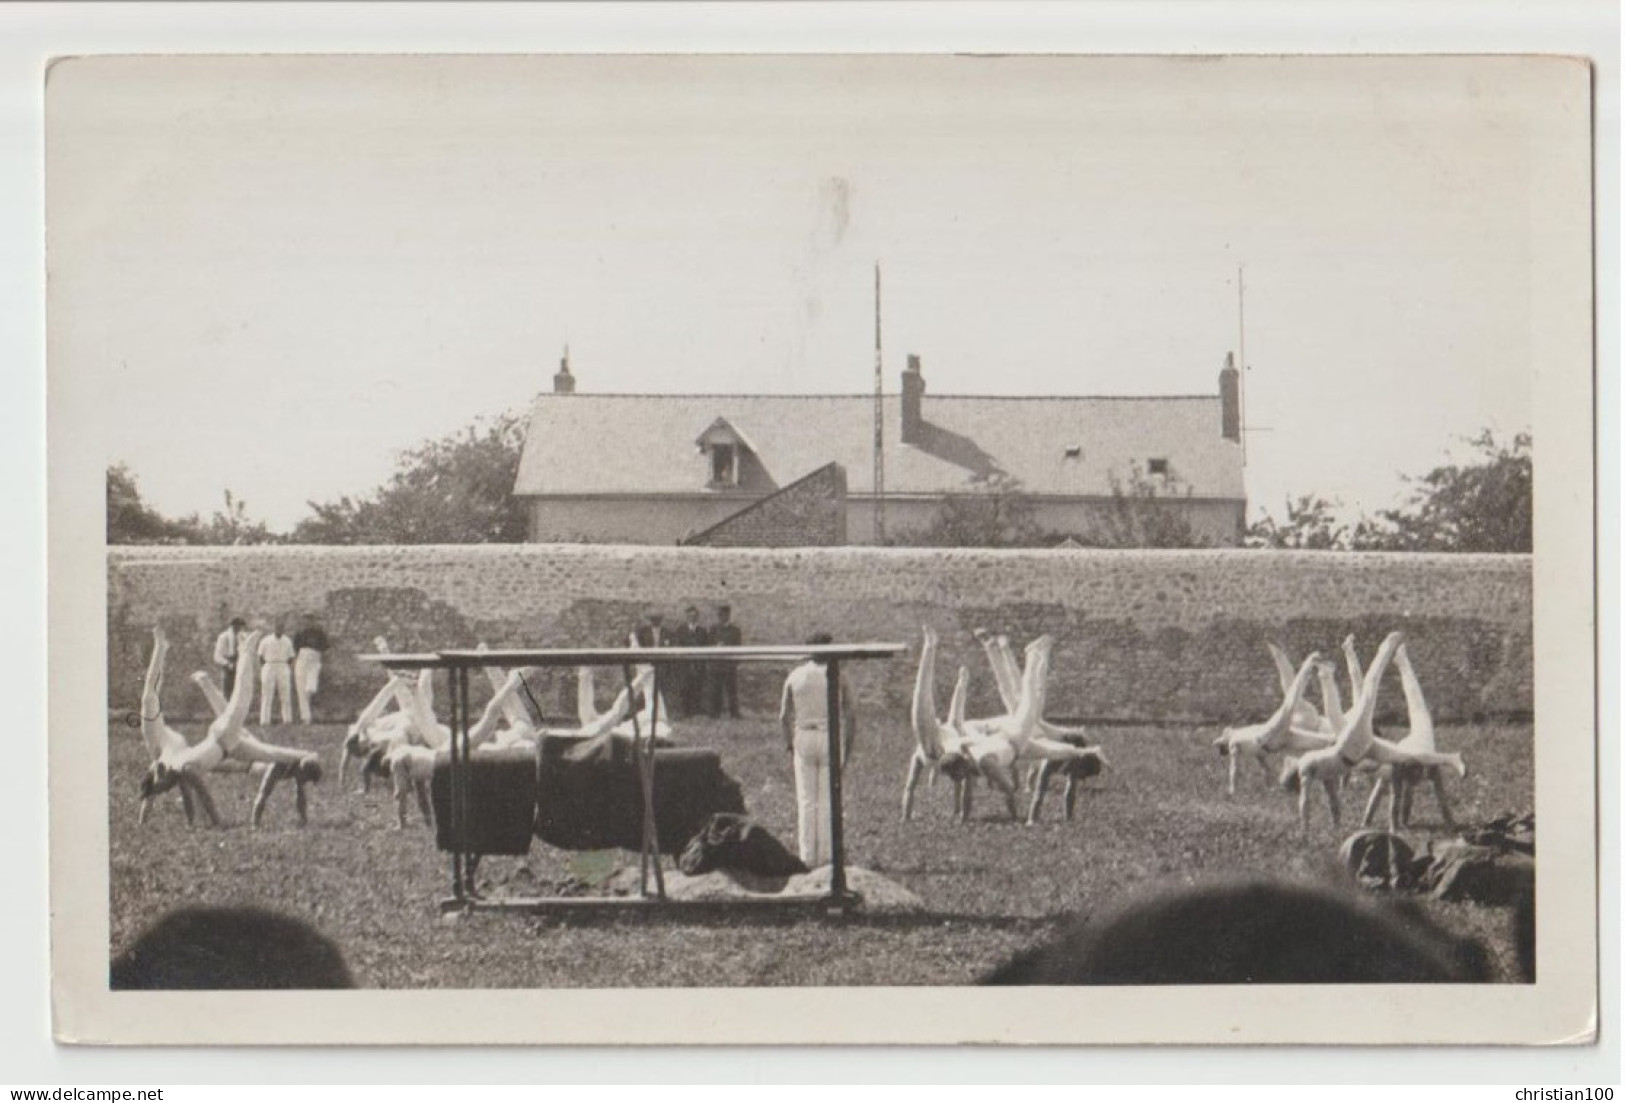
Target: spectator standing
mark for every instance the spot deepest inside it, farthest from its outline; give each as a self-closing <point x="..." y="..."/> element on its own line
<point x="650" y="634"/>
<point x="690" y="677"/>
<point x="309" y="645"/>
<point x="276" y="674"/>
<point x="724" y="676"/>
<point x="225" y="651"/>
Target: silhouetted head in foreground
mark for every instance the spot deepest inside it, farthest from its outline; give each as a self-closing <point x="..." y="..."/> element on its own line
<point x="1252" y="932"/>
<point x="215" y="948"/>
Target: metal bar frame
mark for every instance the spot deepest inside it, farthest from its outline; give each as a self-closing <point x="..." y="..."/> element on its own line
<point x="452" y="803"/>
<point x="643" y="752"/>
<point x="839" y="900"/>
<point x="462" y="888"/>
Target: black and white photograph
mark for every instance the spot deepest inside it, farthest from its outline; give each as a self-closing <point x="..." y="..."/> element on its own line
<point x="859" y="549"/>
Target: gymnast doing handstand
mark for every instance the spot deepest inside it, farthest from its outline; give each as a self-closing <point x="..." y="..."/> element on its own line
<point x="407" y="752"/>
<point x="227" y="746"/>
<point x="938" y="745"/>
<point x="1304" y="714"/>
<point x="996" y="743"/>
<point x="992" y="747"/>
<point x="1400" y="780"/>
<point x="1356" y="742"/>
<point x="1008" y="676"/>
<point x="165" y="745"/>
<point x="377" y="727"/>
<point x="619" y="719"/>
<point x="1275" y="734"/>
<point x="270" y="774"/>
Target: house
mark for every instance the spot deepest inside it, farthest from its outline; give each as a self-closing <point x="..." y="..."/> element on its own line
<point x="799" y="469"/>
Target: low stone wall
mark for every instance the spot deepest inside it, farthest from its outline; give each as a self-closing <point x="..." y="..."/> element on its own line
<point x="1172" y="636"/>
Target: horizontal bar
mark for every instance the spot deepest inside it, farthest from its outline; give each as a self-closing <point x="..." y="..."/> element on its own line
<point x="617" y="656"/>
<point x="405" y="661"/>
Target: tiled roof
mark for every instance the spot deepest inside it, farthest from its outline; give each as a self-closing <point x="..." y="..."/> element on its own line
<point x="645" y="444"/>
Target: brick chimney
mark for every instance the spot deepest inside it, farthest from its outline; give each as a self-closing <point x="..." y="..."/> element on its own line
<point x="913" y="394"/>
<point x="564" y="382"/>
<point x="1230" y="399"/>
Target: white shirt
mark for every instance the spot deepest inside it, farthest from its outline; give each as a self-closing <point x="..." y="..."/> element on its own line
<point x="276" y="649"/>
<point x="806" y="694"/>
<point x="225" y="648"/>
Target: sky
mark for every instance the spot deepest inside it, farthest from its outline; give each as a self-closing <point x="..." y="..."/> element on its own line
<point x="279" y="272"/>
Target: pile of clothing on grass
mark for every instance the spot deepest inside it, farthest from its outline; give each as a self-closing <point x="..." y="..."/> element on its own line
<point x="1492" y="863"/>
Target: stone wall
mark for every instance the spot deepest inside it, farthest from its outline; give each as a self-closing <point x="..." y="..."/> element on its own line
<point x="1141" y="635"/>
<point x="629" y="519"/>
<point x="809" y="513"/>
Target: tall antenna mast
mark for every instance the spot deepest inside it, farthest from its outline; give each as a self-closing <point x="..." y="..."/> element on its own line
<point x="880" y="432"/>
<point x="1241" y="356"/>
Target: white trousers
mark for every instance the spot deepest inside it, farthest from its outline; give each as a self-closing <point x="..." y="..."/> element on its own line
<point x="307" y="679"/>
<point x="275" y="678"/>
<point x="812" y="797"/>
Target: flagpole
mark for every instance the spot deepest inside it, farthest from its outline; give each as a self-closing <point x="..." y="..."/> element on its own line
<point x="880" y="433"/>
<point x="1241" y="356"/>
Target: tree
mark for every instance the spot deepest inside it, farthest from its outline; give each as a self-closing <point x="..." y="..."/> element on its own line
<point x="131" y="521"/>
<point x="996" y="514"/>
<point x="1137" y="518"/>
<point x="231" y="525"/>
<point x="1483" y="506"/>
<point x="1311" y="524"/>
<point x="455" y="490"/>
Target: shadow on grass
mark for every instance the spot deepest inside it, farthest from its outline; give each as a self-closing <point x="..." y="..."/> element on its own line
<point x="931" y="870"/>
<point x="722" y="914"/>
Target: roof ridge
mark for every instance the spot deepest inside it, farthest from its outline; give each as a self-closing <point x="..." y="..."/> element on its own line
<point x="930" y="396"/>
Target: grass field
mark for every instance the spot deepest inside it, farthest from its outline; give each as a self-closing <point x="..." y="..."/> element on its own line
<point x="992" y="887"/>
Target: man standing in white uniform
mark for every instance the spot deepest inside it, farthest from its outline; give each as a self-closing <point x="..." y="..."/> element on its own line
<point x="804" y="717"/>
<point x="276" y="675"/>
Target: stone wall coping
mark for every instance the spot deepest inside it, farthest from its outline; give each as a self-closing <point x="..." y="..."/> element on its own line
<point x="135" y="554"/>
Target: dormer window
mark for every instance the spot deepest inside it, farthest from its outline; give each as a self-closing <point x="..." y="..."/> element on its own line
<point x="1158" y="466"/>
<point x="724" y="448"/>
<point x="724" y="465"/>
